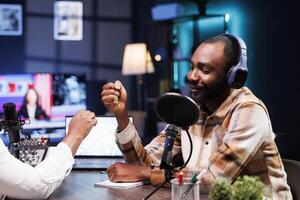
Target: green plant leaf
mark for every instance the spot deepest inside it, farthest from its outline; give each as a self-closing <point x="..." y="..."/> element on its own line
<point x="247" y="188"/>
<point x="221" y="190"/>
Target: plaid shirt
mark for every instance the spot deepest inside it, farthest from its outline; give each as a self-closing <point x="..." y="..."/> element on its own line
<point x="237" y="139"/>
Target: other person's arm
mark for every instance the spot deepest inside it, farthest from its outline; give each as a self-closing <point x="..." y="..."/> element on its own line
<point x="20" y="180"/>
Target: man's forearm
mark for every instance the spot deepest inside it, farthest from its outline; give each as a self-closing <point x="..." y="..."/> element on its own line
<point x="123" y="120"/>
<point x="73" y="141"/>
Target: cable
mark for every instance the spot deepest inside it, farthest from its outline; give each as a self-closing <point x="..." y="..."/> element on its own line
<point x="191" y="151"/>
<point x="183" y="166"/>
<point x="155" y="190"/>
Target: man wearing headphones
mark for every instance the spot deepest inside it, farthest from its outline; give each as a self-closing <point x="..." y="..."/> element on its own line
<point x="232" y="137"/>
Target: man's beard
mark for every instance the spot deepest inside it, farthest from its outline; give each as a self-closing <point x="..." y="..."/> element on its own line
<point x="209" y="93"/>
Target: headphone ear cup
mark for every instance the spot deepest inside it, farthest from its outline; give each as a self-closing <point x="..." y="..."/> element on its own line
<point x="237" y="76"/>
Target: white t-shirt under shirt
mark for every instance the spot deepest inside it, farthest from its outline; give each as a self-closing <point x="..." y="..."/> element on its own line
<point x="20" y="180"/>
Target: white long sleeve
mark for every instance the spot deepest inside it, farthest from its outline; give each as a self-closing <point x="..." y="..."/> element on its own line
<point x="20" y="180"/>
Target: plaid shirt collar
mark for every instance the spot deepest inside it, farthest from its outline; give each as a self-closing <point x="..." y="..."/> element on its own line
<point x="224" y="108"/>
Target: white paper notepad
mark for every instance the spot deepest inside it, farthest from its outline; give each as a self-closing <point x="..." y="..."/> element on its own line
<point x="109" y="184"/>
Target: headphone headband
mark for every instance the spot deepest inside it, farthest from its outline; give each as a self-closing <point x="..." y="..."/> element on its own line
<point x="237" y="74"/>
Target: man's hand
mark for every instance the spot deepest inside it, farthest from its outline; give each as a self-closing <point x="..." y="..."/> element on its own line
<point x="114" y="98"/>
<point x="82" y="123"/>
<point x="80" y="126"/>
<point x="122" y="172"/>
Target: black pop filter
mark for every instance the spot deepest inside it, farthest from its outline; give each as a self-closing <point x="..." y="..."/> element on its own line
<point x="177" y="109"/>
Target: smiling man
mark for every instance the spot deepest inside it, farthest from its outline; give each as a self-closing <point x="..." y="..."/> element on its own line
<point x="232" y="137"/>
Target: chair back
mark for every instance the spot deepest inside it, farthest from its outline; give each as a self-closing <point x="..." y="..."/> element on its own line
<point x="292" y="168"/>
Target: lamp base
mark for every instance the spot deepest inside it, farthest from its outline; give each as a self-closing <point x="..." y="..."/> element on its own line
<point x="140" y="91"/>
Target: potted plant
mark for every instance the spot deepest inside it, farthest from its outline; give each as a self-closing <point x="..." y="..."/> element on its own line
<point x="247" y="188"/>
<point x="221" y="190"/>
<point x="243" y="188"/>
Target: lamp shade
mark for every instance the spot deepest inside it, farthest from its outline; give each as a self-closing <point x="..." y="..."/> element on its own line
<point x="136" y="60"/>
<point x="149" y="64"/>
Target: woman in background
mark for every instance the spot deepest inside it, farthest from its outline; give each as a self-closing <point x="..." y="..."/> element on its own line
<point x="31" y="108"/>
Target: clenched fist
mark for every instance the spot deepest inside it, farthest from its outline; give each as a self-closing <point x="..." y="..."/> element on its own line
<point x="82" y="123"/>
<point x="114" y="97"/>
<point x="80" y="126"/>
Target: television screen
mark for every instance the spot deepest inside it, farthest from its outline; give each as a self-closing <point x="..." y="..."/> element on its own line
<point x="57" y="95"/>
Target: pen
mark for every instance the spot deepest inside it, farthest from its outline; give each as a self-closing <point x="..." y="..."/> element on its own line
<point x="189" y="187"/>
<point x="194" y="179"/>
<point x="180" y="178"/>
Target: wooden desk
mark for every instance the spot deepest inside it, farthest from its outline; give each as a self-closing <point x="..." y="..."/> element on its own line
<point x="79" y="185"/>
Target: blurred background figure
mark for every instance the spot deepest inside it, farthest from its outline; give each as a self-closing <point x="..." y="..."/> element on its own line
<point x="30" y="108"/>
<point x="74" y="94"/>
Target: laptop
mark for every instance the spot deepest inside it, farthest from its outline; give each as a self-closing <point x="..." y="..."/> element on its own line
<point x="98" y="150"/>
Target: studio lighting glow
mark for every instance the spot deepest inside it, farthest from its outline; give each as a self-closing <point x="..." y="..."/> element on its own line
<point x="227" y="17"/>
<point x="157" y="57"/>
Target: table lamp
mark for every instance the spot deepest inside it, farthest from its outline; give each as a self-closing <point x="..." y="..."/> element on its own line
<point x="137" y="61"/>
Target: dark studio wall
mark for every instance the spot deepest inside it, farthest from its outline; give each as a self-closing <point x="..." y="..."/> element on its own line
<point x="12" y="49"/>
<point x="282" y="75"/>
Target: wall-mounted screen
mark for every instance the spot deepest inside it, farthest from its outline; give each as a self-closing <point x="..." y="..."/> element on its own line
<point x="43" y="100"/>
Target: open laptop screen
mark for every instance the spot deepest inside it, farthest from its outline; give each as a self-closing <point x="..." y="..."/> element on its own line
<point x="101" y="140"/>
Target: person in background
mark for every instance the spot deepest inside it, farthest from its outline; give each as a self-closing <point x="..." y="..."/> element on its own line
<point x="30" y="108"/>
<point x="73" y="90"/>
<point x="20" y="180"/>
<point x="232" y="137"/>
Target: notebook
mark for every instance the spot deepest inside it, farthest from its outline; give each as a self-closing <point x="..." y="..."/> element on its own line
<point x="99" y="149"/>
<point x="109" y="184"/>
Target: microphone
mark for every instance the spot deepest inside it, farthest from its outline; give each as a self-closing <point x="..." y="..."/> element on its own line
<point x="177" y="111"/>
<point x="11" y="123"/>
<point x="171" y="133"/>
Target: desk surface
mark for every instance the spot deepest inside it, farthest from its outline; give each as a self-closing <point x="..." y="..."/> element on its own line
<point x="80" y="185"/>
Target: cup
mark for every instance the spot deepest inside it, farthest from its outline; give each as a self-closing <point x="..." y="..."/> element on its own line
<point x="186" y="190"/>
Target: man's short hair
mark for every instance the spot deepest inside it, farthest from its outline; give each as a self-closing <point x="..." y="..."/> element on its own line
<point x="232" y="49"/>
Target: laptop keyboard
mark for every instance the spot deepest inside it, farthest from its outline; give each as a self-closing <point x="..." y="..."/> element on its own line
<point x="95" y="163"/>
